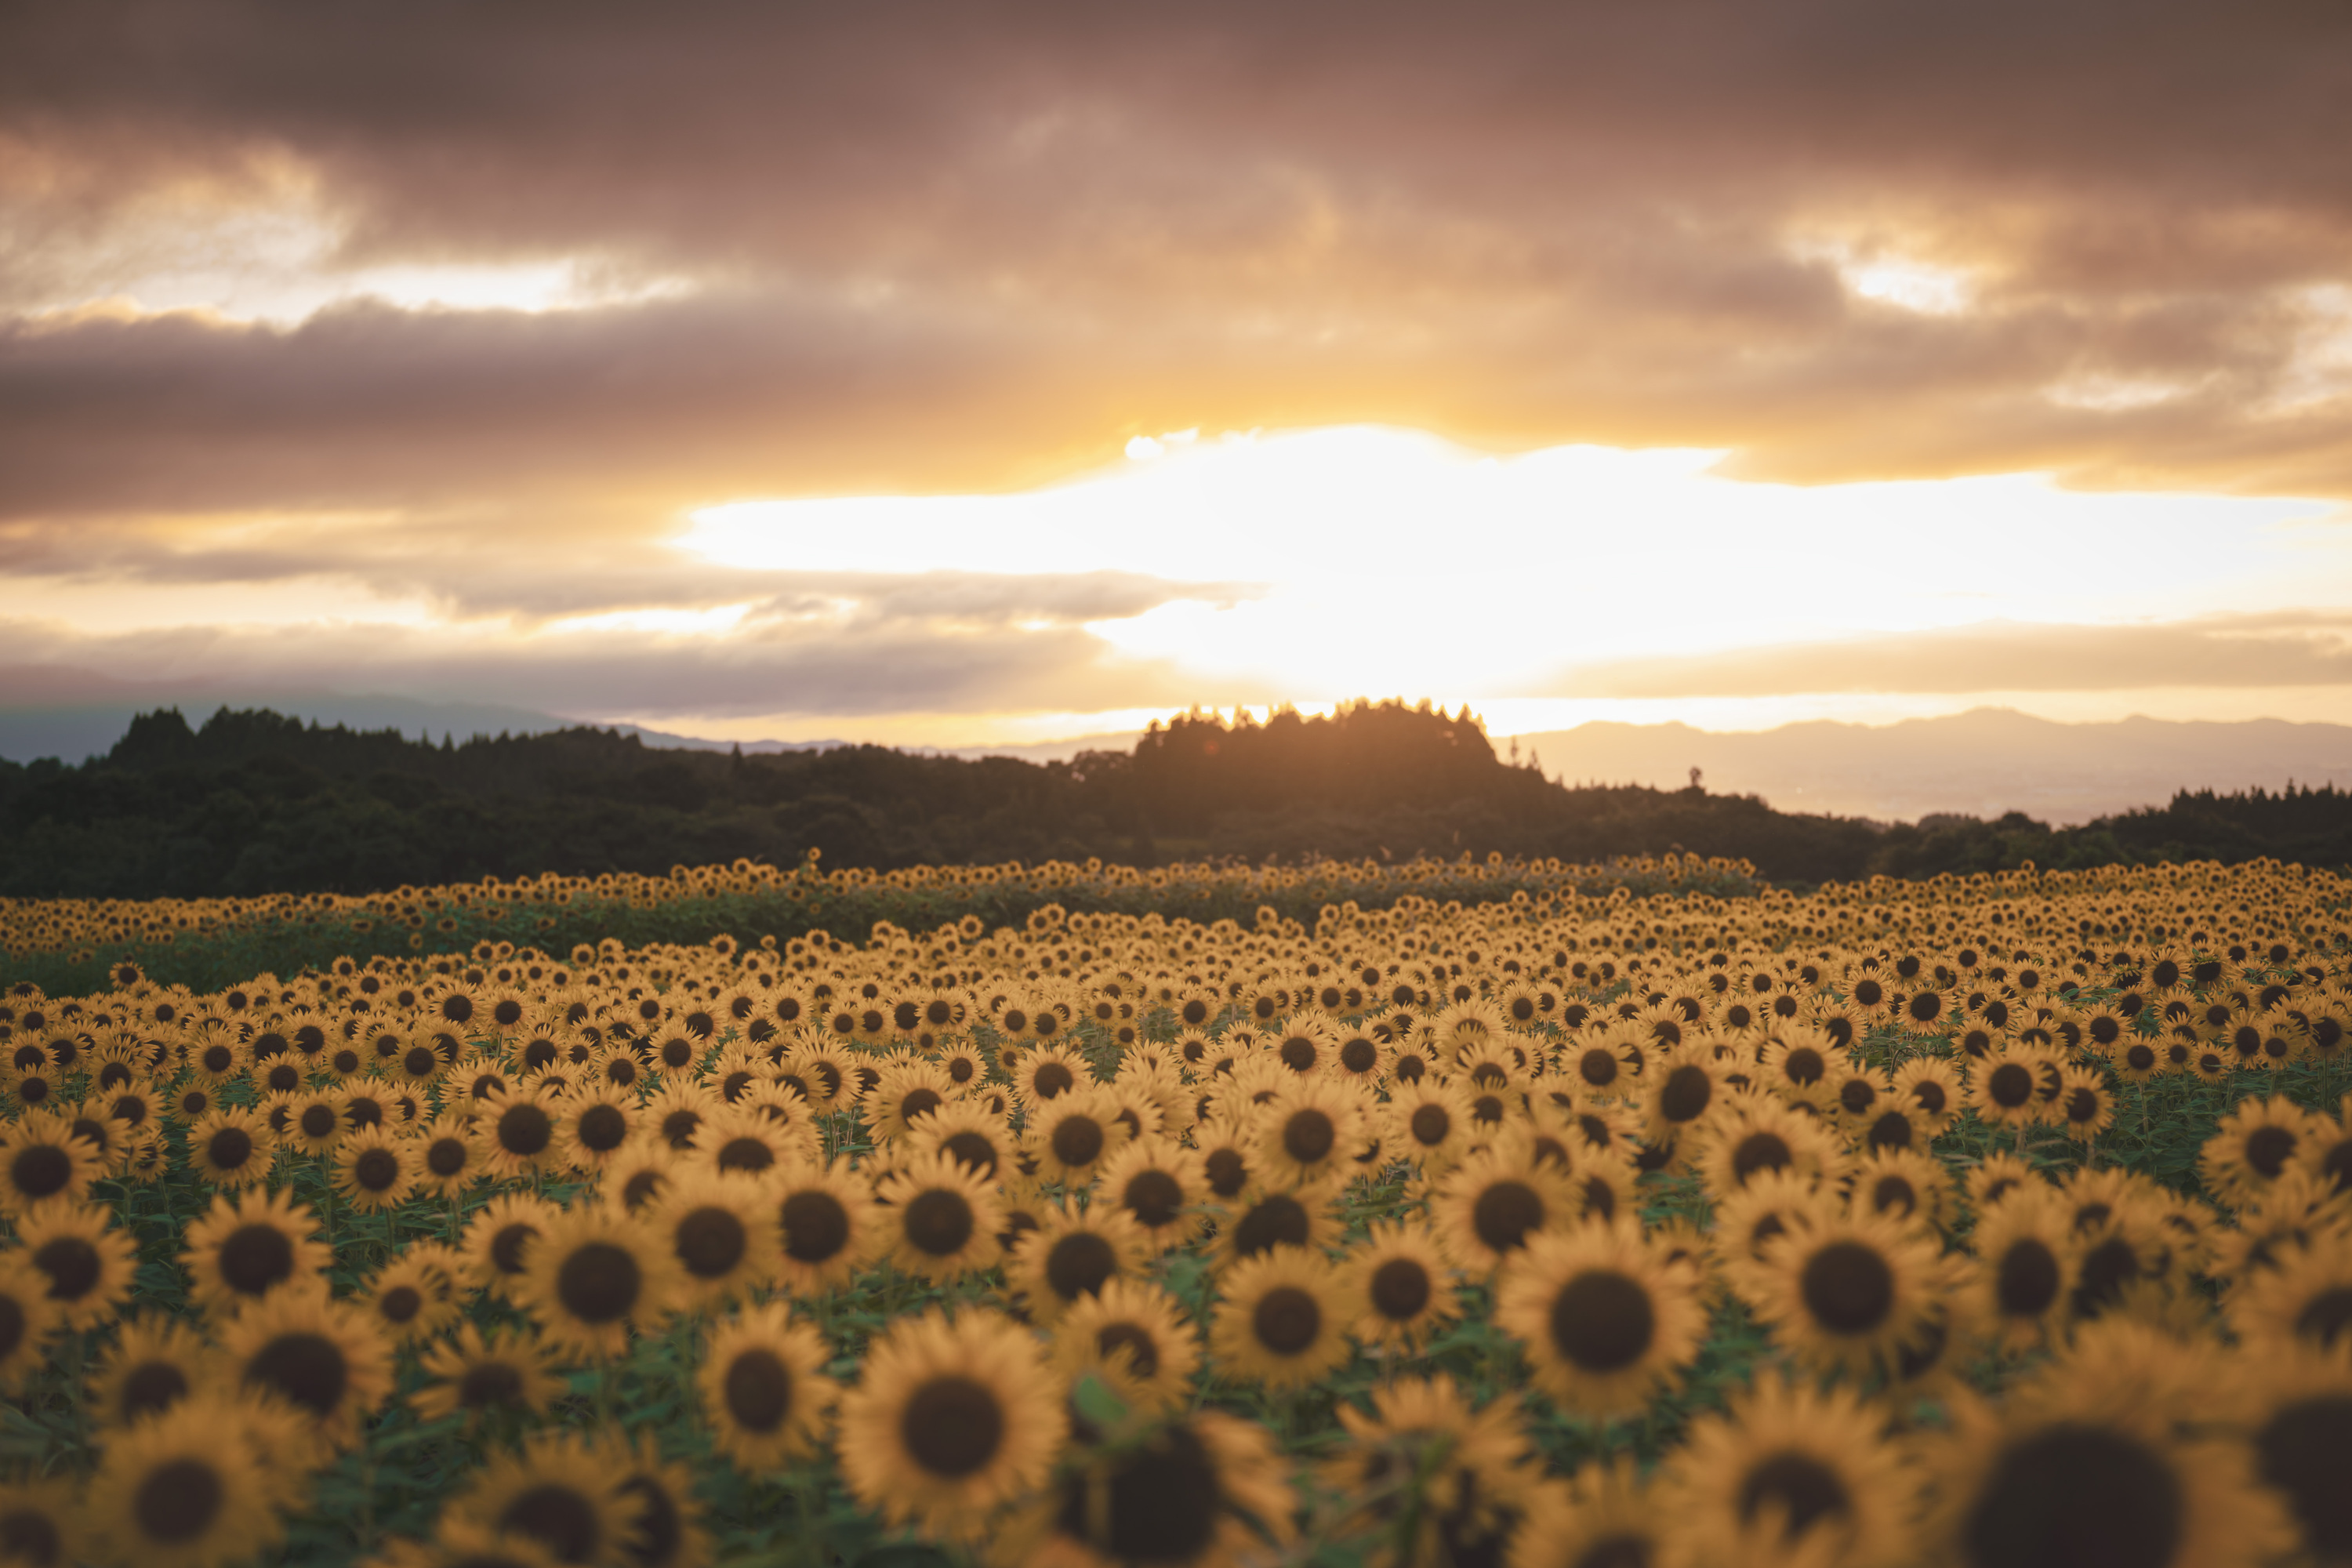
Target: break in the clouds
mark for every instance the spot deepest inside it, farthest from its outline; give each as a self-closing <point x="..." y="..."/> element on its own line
<point x="444" y="348"/>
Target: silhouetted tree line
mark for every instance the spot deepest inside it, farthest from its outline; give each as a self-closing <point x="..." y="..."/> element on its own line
<point x="254" y="802"/>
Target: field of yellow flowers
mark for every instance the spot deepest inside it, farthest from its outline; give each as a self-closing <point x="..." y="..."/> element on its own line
<point x="1524" y="1216"/>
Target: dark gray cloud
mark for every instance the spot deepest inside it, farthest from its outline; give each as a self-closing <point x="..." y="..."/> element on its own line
<point x="936" y="247"/>
<point x="2292" y="648"/>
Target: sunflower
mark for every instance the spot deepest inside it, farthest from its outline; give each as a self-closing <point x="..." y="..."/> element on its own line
<point x="669" y="1532"/>
<point x="827" y="1224"/>
<point x="41" y="1525"/>
<point x="1791" y="1474"/>
<point x="942" y="1220"/>
<point x="2254" y="1145"/>
<point x="1797" y="1062"/>
<point x="1429" y="1123"/>
<point x="27" y="1317"/>
<point x="1904" y="1185"/>
<point x="2006" y="1090"/>
<point x="413" y="1294"/>
<point x="1202" y="1490"/>
<point x="375" y="1170"/>
<point x="320" y="1359"/>
<point x="907" y="1090"/>
<point x="637" y="1176"/>
<point x="1447" y="1483"/>
<point x="518" y="1133"/>
<point x="1281" y="1322"/>
<point x="251" y="1246"/>
<point x="500" y="1239"/>
<point x="561" y="1493"/>
<point x="151" y="1366"/>
<point x="2294" y="1408"/>
<point x="952" y="1417"/>
<point x="1768" y="1207"/>
<point x="88" y="1263"/>
<point x="2306" y="1299"/>
<point x="1071" y="1257"/>
<point x="764" y="1390"/>
<point x="1071" y="1134"/>
<point x="2086" y="1463"/>
<point x="507" y="1373"/>
<point x="1400" y="1285"/>
<point x="1488" y="1207"/>
<point x="677" y="1113"/>
<point x="1930" y="1089"/>
<point x="722" y="1235"/>
<point x="1996" y="1177"/>
<point x="595" y="1125"/>
<point x="1847" y="1291"/>
<point x="1605" y="1324"/>
<point x="1756" y="1135"/>
<point x="1260" y="1221"/>
<point x="450" y="1156"/>
<point x="43" y="1160"/>
<point x="1605" y="1518"/>
<point x="1223" y="1140"/>
<point x="740" y="1142"/>
<point x="185" y="1491"/>
<point x="591" y="1274"/>
<point x="1133" y="1335"/>
<point x="1043" y="1076"/>
<point x="1307" y="1132"/>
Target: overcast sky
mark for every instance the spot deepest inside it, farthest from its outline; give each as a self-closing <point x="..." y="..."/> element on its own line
<point x="950" y="373"/>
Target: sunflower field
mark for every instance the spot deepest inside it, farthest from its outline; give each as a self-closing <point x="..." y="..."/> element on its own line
<point x="1599" y="1224"/>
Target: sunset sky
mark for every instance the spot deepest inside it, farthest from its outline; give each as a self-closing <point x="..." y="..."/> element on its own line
<point x="952" y="374"/>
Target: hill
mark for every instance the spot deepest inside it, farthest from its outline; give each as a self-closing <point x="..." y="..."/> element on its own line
<point x="254" y="802"/>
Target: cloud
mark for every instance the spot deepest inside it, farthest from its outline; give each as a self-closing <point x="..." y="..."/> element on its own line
<point x="918" y="247"/>
<point x="2291" y="648"/>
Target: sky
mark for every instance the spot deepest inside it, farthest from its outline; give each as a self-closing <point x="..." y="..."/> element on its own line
<point x="947" y="374"/>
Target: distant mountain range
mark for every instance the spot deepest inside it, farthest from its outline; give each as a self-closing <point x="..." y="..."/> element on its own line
<point x="1979" y="763"/>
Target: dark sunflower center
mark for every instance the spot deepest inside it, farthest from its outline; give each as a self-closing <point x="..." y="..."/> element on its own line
<point x="446" y="1157"/>
<point x="2267" y="1149"/>
<point x="376" y="1169"/>
<point x="1891" y="1130"/>
<point x="1848" y="1288"/>
<point x="29" y="1534"/>
<point x="2071" y="1494"/>
<point x="1803" y="1065"/>
<point x="1760" y="1152"/>
<point x="1857" y="1096"/>
<point x="1286" y="1320"/>
<point x="1077" y="1140"/>
<point x="1053" y="1080"/>
<point x="1160" y="1503"/>
<point x="559" y="1518"/>
<point x="1080" y="1264"/>
<point x="745" y="1153"/>
<point x="1894" y="1194"/>
<point x="1227" y="1172"/>
<point x="599" y="1282"/>
<point x="488" y="1384"/>
<point x="317" y="1120"/>
<point x="178" y="1502"/>
<point x="1276" y="1220"/>
<point x="1359" y="1055"/>
<point x="2303" y="1450"/>
<point x="939" y="1222"/>
<point x="229" y="1148"/>
<point x="1430" y="1125"/>
<point x="1153" y="1197"/>
<point x="525" y="1130"/>
<point x="815" y="1227"/>
<point x="2026" y="1282"/>
<point x="151" y="1386"/>
<point x="41" y="1171"/>
<point x="2325" y="1316"/>
<point x="507" y="1246"/>
<point x="1602" y="1321"/>
<point x="1142" y="1350"/>
<point x="953" y="1426"/>
<point x="710" y="1242"/>
<point x="759" y="1390"/>
<point x="1400" y="1289"/>
<point x="254" y="1258"/>
<point x="642" y="1189"/>
<point x="306" y="1369"/>
<point x="400" y="1304"/>
<point x="1307" y="1136"/>
<point x="602" y="1128"/>
<point x="1504" y="1214"/>
<point x="2107" y="1269"/>
<point x="72" y="1265"/>
<point x="1798" y="1487"/>
<point x="2010" y="1085"/>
